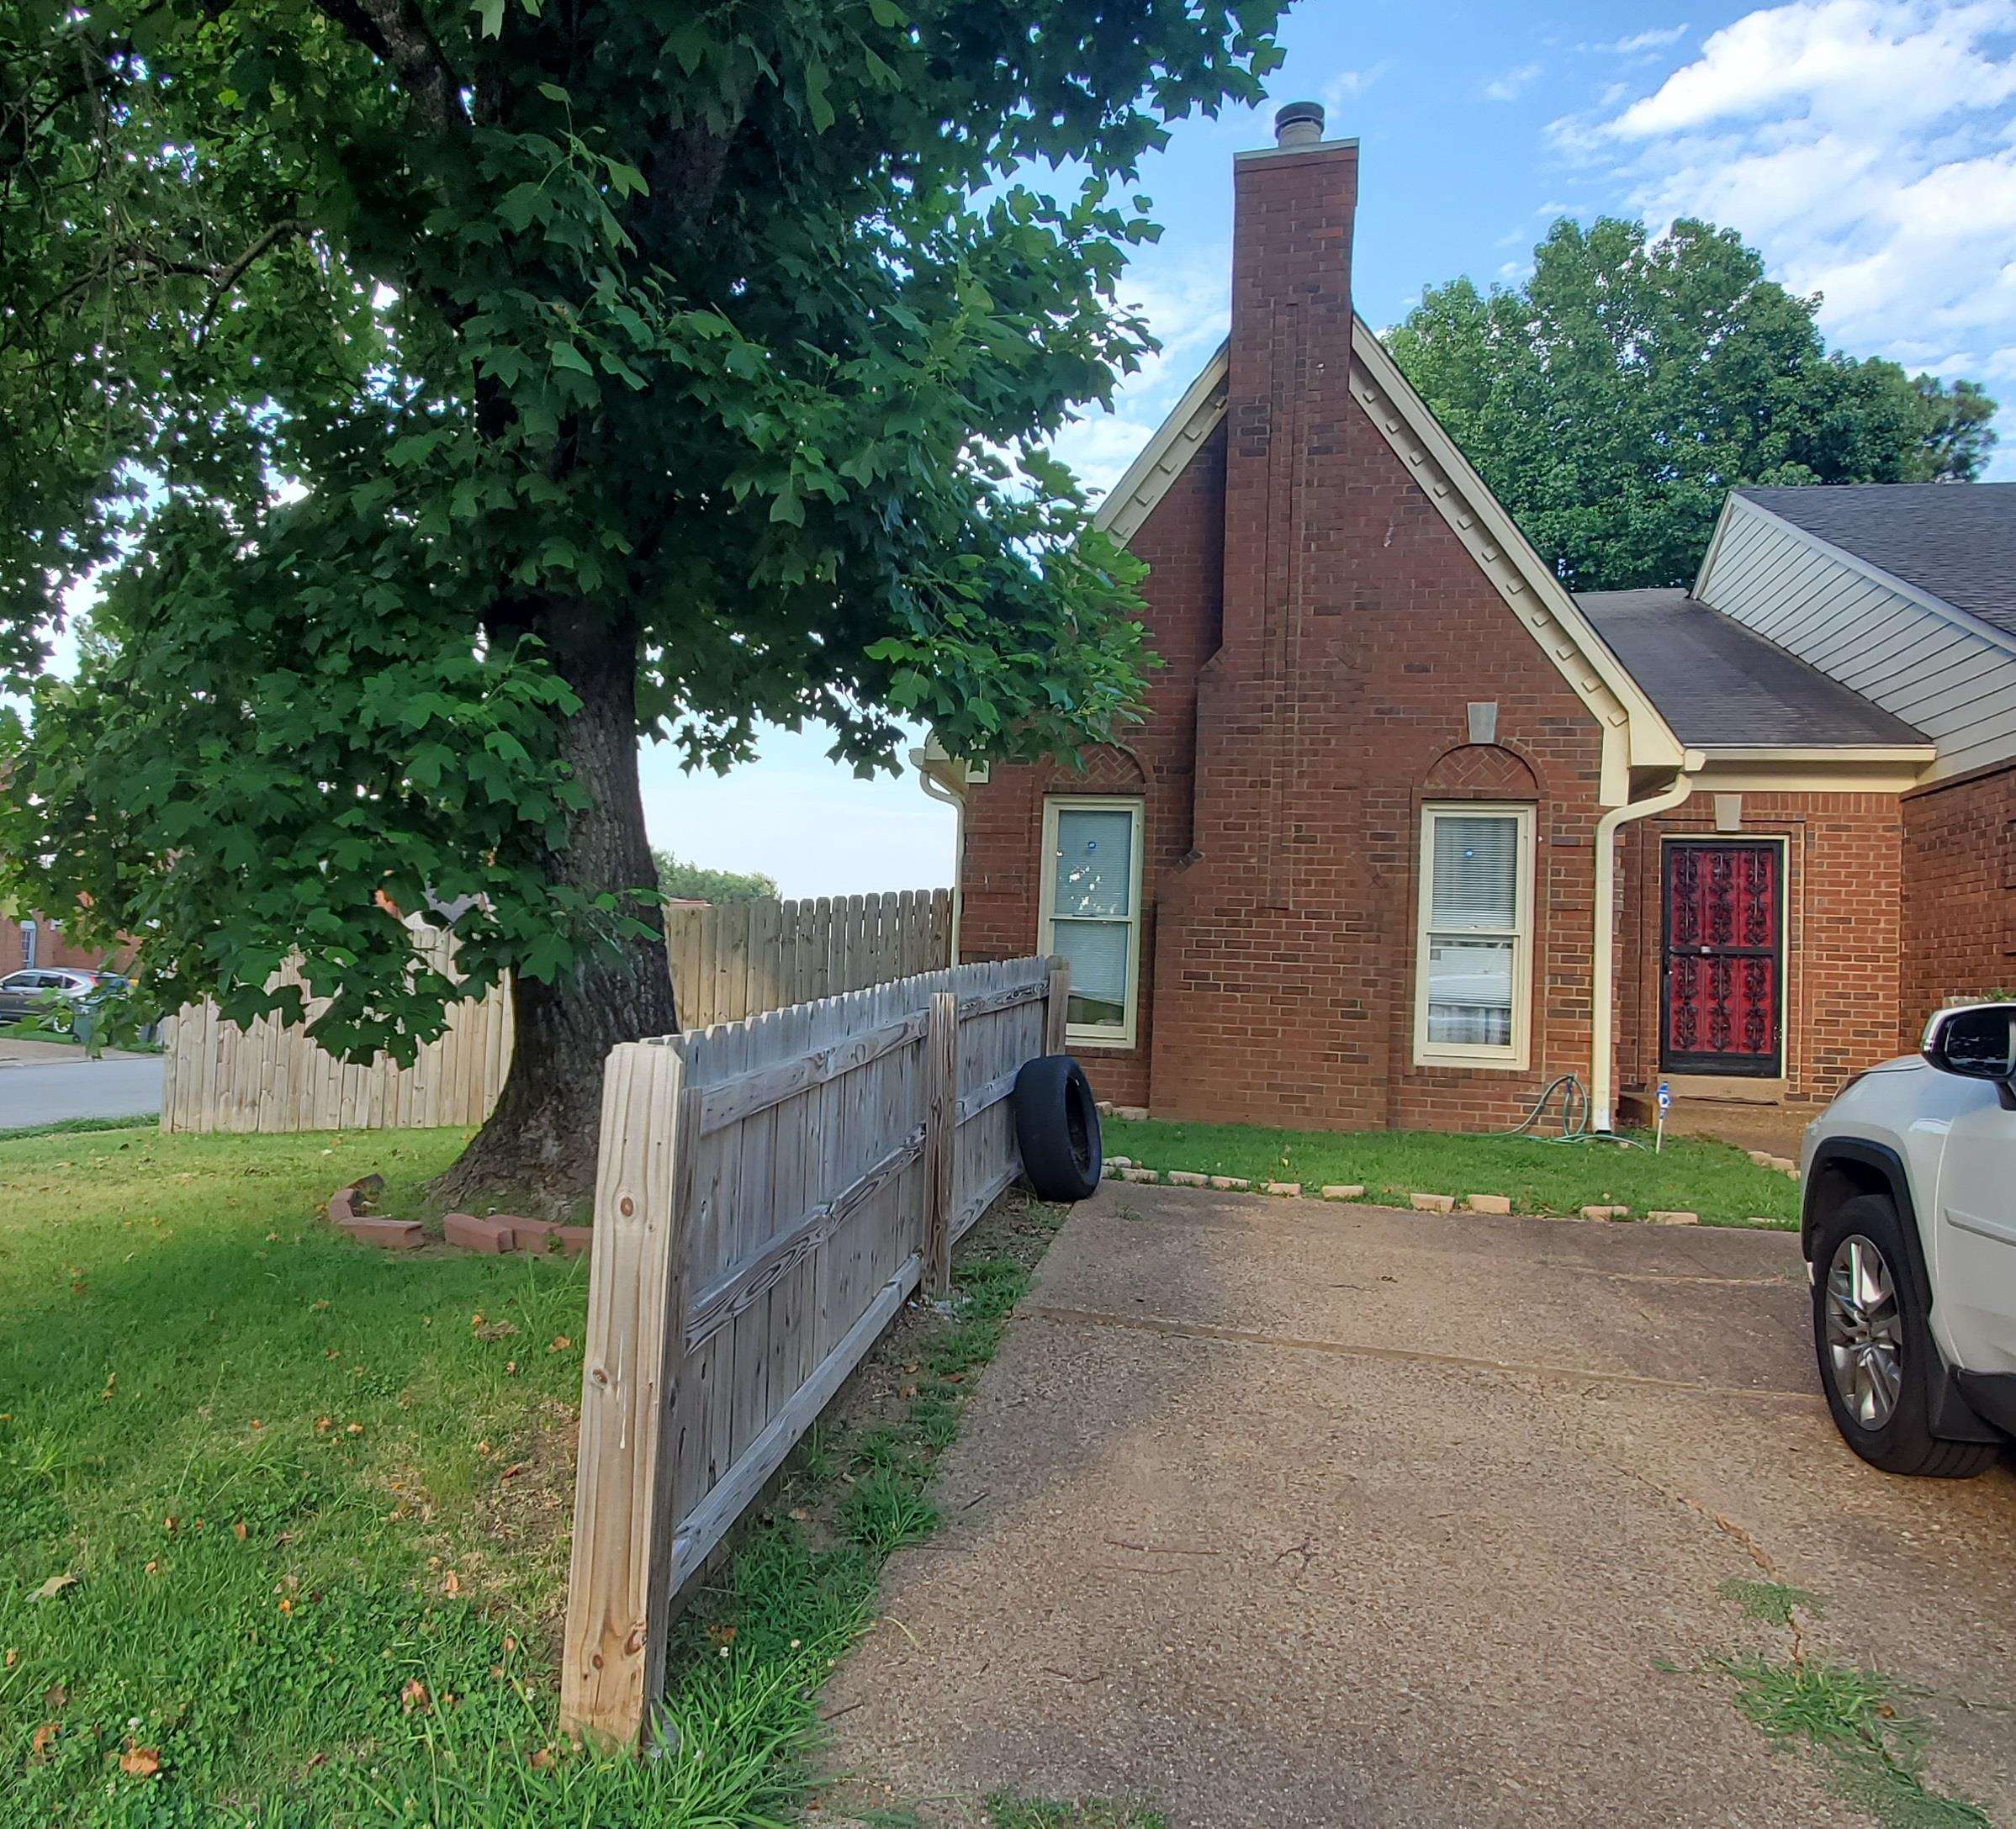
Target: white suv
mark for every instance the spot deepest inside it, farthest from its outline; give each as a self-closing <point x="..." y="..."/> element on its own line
<point x="1910" y="1235"/>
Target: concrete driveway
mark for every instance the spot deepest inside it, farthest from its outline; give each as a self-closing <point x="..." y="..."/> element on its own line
<point x="1278" y="1513"/>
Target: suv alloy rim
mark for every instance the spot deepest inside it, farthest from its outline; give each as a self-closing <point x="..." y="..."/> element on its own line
<point x="1865" y="1332"/>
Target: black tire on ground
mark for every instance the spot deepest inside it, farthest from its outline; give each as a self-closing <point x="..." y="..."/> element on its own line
<point x="1058" y="1126"/>
<point x="1902" y="1442"/>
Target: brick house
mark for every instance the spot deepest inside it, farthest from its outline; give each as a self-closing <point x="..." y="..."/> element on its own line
<point x="1411" y="832"/>
<point x="34" y="939"/>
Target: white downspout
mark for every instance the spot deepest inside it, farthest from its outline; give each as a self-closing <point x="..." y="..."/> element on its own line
<point x="1603" y="989"/>
<point x="951" y="796"/>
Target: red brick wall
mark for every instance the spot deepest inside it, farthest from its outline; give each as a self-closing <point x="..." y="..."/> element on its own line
<point x="1842" y="934"/>
<point x="1183" y="542"/>
<point x="1959" y="894"/>
<point x="1326" y="631"/>
<point x="51" y="948"/>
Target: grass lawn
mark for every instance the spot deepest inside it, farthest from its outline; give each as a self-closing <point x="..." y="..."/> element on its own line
<point x="284" y="1536"/>
<point x="1720" y="1183"/>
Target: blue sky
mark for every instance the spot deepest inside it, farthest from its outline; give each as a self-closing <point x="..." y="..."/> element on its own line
<point x="1866" y="147"/>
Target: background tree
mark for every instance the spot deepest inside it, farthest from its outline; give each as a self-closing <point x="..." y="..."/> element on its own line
<point x="696" y="882"/>
<point x="451" y="393"/>
<point x="1613" y="399"/>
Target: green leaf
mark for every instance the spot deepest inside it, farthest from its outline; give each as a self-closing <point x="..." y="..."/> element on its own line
<point x="887" y="14"/>
<point x="489" y="16"/>
<point x="566" y="356"/>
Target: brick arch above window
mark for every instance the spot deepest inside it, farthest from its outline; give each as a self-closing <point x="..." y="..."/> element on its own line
<point x="1105" y="771"/>
<point x="1481" y="771"/>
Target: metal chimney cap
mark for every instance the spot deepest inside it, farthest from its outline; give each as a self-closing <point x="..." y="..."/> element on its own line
<point x="1300" y="124"/>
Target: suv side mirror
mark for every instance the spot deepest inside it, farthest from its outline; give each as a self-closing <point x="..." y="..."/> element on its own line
<point x="1976" y="1042"/>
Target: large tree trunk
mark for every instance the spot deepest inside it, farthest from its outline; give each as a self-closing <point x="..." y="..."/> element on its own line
<point x="538" y="1148"/>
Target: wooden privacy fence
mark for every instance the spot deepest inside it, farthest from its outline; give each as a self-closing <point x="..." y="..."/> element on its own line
<point x="271" y="1077"/>
<point x="769" y="1193"/>
<point x="739" y="958"/>
<point x="728" y="962"/>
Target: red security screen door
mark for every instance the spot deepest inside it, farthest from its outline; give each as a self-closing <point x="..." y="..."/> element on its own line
<point x="1724" y="948"/>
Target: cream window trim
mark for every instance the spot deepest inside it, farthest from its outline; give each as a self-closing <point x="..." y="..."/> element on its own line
<point x="1512" y="1056"/>
<point x="1090" y="1034"/>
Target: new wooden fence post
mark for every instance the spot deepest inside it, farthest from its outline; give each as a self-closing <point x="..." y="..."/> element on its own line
<point x="1056" y="1007"/>
<point x="941" y="1125"/>
<point x="618" y="1593"/>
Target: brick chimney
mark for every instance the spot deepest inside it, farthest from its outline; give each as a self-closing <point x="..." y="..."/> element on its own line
<point x="1287" y="404"/>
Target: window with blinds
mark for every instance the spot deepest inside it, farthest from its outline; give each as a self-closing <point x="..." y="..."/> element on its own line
<point x="1091" y="898"/>
<point x="1475" y="945"/>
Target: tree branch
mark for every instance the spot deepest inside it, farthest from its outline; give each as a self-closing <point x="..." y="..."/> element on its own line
<point x="227" y="278"/>
<point x="396" y="32"/>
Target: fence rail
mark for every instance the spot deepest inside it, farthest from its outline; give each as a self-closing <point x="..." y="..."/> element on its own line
<point x="728" y="962"/>
<point x="271" y="1077"/>
<point x="770" y="1192"/>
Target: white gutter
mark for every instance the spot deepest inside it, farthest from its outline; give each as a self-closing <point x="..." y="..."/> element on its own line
<point x="1603" y="989"/>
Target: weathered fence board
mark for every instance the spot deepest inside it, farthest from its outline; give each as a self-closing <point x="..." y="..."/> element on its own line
<point x="735" y="959"/>
<point x="810" y="1167"/>
<point x="728" y="962"/>
<point x="271" y="1077"/>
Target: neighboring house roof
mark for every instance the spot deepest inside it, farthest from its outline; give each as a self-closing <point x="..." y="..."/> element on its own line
<point x="1720" y="685"/>
<point x="1957" y="540"/>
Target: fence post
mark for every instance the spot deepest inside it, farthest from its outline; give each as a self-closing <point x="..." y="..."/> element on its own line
<point x="618" y="1596"/>
<point x="941" y="1125"/>
<point x="1056" y="1006"/>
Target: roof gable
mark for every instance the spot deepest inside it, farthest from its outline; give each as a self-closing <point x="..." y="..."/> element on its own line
<point x="1502" y="553"/>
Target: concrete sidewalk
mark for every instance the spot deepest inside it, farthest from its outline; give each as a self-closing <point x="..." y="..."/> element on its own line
<point x="1278" y="1514"/>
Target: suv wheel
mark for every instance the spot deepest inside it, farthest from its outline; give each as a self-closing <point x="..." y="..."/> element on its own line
<point x="1874" y="1346"/>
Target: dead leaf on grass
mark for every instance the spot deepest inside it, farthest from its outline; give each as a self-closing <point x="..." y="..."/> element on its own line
<point x="139" y="1761"/>
<point x="561" y="1344"/>
<point x="53" y="1586"/>
<point x="451" y="1583"/>
<point x="414" y="1698"/>
<point x="238" y="1530"/>
<point x="42" y="1737"/>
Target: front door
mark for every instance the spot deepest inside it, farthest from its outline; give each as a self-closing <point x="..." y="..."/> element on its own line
<point x="1724" y="957"/>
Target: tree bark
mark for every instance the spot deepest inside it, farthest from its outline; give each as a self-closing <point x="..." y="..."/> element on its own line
<point x="538" y="1148"/>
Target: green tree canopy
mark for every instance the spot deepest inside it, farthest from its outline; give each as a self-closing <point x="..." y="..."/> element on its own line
<point x="450" y="394"/>
<point x="1613" y="399"/>
<point x="696" y="882"/>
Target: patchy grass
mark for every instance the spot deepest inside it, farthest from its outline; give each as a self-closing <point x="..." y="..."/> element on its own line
<point x="1853" y="1718"/>
<point x="1719" y="1182"/>
<point x="1772" y="1602"/>
<point x="296" y="1510"/>
<point x="1008" y="1811"/>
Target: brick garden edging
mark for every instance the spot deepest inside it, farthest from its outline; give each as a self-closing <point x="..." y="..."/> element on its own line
<point x="496" y="1234"/>
<point x="1120" y="1168"/>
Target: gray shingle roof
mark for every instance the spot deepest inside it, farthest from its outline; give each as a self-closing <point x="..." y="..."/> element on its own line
<point x="1956" y="540"/>
<point x="1717" y="683"/>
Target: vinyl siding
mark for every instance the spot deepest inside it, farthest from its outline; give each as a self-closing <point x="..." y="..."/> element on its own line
<point x="1939" y="669"/>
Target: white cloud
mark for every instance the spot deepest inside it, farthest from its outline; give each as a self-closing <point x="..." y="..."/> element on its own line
<point x="1186" y="302"/>
<point x="1507" y="88"/>
<point x="1866" y="147"/>
<point x="1640" y="43"/>
<point x="1348" y="85"/>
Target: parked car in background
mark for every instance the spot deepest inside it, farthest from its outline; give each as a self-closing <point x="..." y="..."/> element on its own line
<point x="1909" y="1228"/>
<point x="56" y="996"/>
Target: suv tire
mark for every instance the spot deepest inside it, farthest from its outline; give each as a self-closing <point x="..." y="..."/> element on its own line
<point x="1866" y="1232"/>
